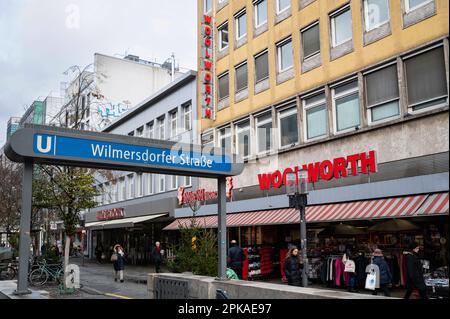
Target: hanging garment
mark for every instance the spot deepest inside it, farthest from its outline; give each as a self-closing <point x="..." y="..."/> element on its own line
<point x="339" y="270"/>
<point x="374" y="269"/>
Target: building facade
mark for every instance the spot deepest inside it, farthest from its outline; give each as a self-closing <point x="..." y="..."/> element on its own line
<point x="134" y="207"/>
<point x="13" y="125"/>
<point x="315" y="82"/>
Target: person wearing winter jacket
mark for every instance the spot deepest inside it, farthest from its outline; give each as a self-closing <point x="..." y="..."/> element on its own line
<point x="414" y="272"/>
<point x="385" y="273"/>
<point x="118" y="259"/>
<point x="293" y="267"/>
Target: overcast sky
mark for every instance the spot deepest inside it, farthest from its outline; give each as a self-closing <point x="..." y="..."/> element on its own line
<point x="40" y="39"/>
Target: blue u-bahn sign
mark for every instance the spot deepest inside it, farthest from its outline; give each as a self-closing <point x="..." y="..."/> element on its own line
<point x="59" y="146"/>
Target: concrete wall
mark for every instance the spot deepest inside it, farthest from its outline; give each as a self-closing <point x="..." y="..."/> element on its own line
<point x="201" y="287"/>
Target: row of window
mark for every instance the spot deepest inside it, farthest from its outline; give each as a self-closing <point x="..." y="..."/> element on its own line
<point x="157" y="128"/>
<point x="138" y="185"/>
<point x="424" y="74"/>
<point x="377" y="13"/>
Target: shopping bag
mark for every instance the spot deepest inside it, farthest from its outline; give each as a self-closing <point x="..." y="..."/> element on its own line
<point x="114" y="257"/>
<point x="371" y="281"/>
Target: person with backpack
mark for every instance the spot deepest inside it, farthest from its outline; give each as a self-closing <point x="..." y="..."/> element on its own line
<point x="118" y="259"/>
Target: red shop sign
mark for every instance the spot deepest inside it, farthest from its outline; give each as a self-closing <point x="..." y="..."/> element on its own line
<point x="115" y="213"/>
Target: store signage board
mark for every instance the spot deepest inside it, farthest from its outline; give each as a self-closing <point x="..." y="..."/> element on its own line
<point x="340" y="167"/>
<point x="59" y="146"/>
<point x="207" y="67"/>
<point x="110" y="214"/>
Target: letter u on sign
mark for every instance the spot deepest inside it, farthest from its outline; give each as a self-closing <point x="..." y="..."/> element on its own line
<point x="42" y="147"/>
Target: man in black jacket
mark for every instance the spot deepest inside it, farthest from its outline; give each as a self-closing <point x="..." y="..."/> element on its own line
<point x="414" y="272"/>
<point x="235" y="258"/>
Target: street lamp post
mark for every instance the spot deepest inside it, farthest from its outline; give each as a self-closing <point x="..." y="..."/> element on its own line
<point x="297" y="190"/>
<point x="83" y="234"/>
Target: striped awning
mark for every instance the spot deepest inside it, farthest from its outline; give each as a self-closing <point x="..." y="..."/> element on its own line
<point x="397" y="207"/>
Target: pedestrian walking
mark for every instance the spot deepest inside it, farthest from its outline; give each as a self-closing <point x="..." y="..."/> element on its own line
<point x="99" y="253"/>
<point x="236" y="258"/>
<point x="414" y="272"/>
<point x="157" y="256"/>
<point x="118" y="259"/>
<point x="385" y="273"/>
<point x="293" y="267"/>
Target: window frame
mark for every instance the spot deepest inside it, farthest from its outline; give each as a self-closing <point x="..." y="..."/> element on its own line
<point x="366" y="17"/>
<point x="312" y="25"/>
<point x="409" y="9"/>
<point x="173" y="119"/>
<point x="332" y="16"/>
<point x="277" y="7"/>
<point x="188" y="113"/>
<point x="237" y="16"/>
<point x="150" y="128"/>
<point x="161" y="122"/>
<point x="288" y="111"/>
<point x="310" y="106"/>
<point x="266" y="51"/>
<point x="279" y="45"/>
<point x="340" y="96"/>
<point x="172" y="179"/>
<point x="219" y="29"/>
<point x="238" y="129"/>
<point x="138" y="185"/>
<point x="161" y="177"/>
<point x="131" y="189"/>
<point x="257" y="124"/>
<point x="255" y="7"/>
<point x="226" y="135"/>
<point x="204" y="6"/>
<point x="218" y="84"/>
<point x="237" y="90"/>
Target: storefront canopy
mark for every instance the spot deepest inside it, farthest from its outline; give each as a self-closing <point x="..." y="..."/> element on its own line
<point x="122" y="223"/>
<point x="398" y="207"/>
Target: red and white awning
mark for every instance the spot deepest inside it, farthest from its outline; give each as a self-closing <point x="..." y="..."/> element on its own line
<point x="398" y="207"/>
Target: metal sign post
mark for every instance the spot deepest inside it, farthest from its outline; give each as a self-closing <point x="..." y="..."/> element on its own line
<point x="25" y="224"/>
<point x="222" y="228"/>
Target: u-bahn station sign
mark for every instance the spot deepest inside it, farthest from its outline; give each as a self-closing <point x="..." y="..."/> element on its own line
<point x="60" y="146"/>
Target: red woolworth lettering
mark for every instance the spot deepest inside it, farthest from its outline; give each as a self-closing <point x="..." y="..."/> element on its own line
<point x="207" y="54"/>
<point x="208" y="65"/>
<point x="277" y="179"/>
<point x="208" y="89"/>
<point x="313" y="172"/>
<point x="340" y="167"/>
<point x="370" y="162"/>
<point x="207" y="77"/>
<point x="208" y="113"/>
<point x="208" y="101"/>
<point x="208" y="42"/>
<point x="286" y="171"/>
<point x="353" y="160"/>
<point x="208" y="30"/>
<point x="326" y="170"/>
<point x="207" y="19"/>
<point x="264" y="181"/>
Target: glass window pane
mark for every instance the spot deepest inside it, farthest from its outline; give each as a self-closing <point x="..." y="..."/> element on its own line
<point x="315" y="99"/>
<point x="223" y="86"/>
<point x="262" y="67"/>
<point x="223" y="36"/>
<point x="207" y="5"/>
<point x="415" y="3"/>
<point x="347" y="112"/>
<point x="382" y="85"/>
<point x="425" y="76"/>
<point x="346" y="87"/>
<point x="316" y="121"/>
<point x="289" y="130"/>
<point x="243" y="139"/>
<point x="261" y="12"/>
<point x="385" y="111"/>
<point x="342" y="27"/>
<point x="283" y="4"/>
<point x="242" y="26"/>
<point x="286" y="56"/>
<point x="264" y="133"/>
<point x="377" y="13"/>
<point x="311" y="41"/>
<point x="241" y="77"/>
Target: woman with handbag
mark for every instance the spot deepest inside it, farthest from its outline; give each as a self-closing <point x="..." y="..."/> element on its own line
<point x="293" y="267"/>
<point x="118" y="259"/>
<point x="385" y="273"/>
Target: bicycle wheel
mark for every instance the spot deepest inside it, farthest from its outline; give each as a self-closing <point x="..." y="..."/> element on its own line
<point x="7" y="273"/>
<point x="38" y="277"/>
<point x="59" y="277"/>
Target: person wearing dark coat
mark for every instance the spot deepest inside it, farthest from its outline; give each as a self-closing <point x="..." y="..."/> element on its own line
<point x="156" y="256"/>
<point x="293" y="267"/>
<point x="235" y="258"/>
<point x="414" y="272"/>
<point x="385" y="273"/>
<point x="118" y="262"/>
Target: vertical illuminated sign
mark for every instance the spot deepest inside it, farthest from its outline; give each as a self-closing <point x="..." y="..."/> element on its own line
<point x="207" y="67"/>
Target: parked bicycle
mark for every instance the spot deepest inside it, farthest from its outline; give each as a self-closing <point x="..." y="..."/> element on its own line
<point x="7" y="271"/>
<point x="45" y="271"/>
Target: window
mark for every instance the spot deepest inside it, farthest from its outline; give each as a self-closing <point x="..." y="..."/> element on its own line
<point x="241" y="77"/>
<point x="285" y="55"/>
<point x="376" y="13"/>
<point x="107" y="194"/>
<point x="122" y="188"/>
<point x="224" y="139"/>
<point x="288" y="127"/>
<point x="224" y="86"/>
<point x="243" y="139"/>
<point x="139" y="192"/>
<point x="341" y="26"/>
<point x="187" y="120"/>
<point x="260" y="13"/>
<point x="150" y="184"/>
<point x="187" y="181"/>
<point x="161" y="128"/>
<point x="208" y="141"/>
<point x="207" y="6"/>
<point x="315" y="108"/>
<point x="283" y="5"/>
<point x="311" y="40"/>
<point x="150" y="130"/>
<point x="223" y="36"/>
<point x="382" y="94"/>
<point x="264" y="132"/>
<point x="261" y="66"/>
<point x="241" y="25"/>
<point x="426" y="79"/>
<point x="346" y="106"/>
<point x="161" y="183"/>
<point x="173" y="124"/>
<point x="140" y="131"/>
<point x="173" y="182"/>
<point x="130" y="193"/>
<point x="131" y="134"/>
<point x="411" y="5"/>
